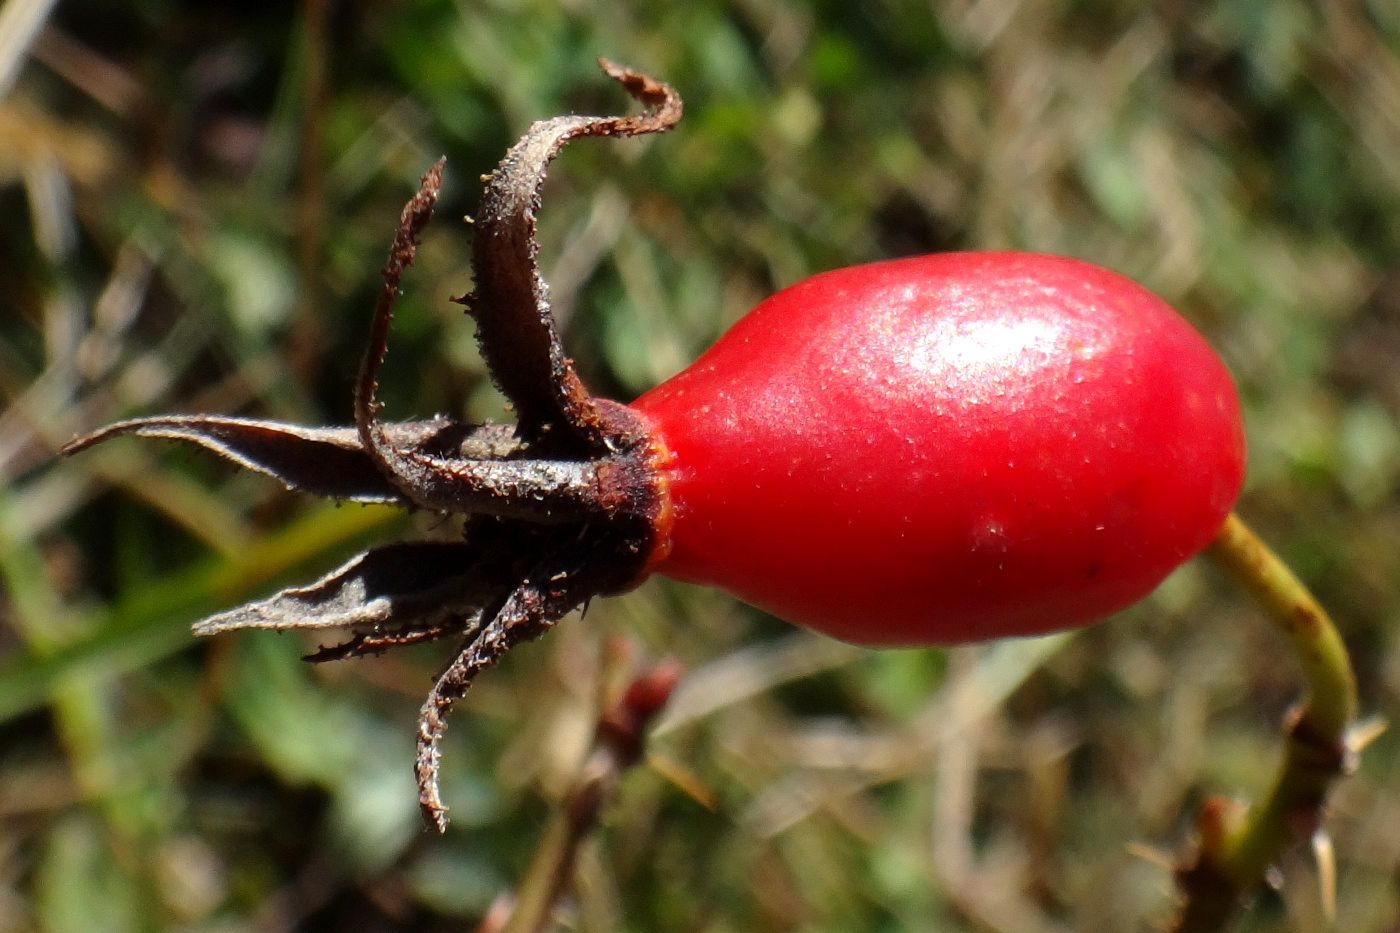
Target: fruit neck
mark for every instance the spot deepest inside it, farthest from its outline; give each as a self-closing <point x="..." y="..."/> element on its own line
<point x="634" y="491"/>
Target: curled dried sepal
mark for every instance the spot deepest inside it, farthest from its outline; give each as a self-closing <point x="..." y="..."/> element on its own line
<point x="547" y="594"/>
<point x="539" y="490"/>
<point x="393" y="462"/>
<point x="515" y="327"/>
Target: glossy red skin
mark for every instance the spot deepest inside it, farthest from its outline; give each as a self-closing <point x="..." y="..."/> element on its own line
<point x="948" y="448"/>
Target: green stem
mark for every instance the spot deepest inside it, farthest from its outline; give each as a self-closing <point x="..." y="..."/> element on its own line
<point x="1238" y="848"/>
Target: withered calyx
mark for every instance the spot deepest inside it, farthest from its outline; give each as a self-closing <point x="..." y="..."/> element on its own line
<point x="565" y="505"/>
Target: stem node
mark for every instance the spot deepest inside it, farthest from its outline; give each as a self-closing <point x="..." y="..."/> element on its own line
<point x="1238" y="846"/>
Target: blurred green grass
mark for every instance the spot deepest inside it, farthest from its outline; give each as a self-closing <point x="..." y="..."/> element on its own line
<point x="196" y="200"/>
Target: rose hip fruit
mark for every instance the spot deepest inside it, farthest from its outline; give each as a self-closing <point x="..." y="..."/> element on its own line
<point x="947" y="448"/>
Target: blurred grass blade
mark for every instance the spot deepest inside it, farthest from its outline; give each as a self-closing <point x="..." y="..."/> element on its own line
<point x="153" y="622"/>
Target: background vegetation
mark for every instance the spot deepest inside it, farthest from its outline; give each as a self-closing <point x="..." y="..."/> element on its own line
<point x="194" y="202"/>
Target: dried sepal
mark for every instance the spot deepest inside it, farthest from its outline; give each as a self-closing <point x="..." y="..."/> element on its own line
<point x="418" y="583"/>
<point x="510" y="302"/>
<point x="392" y="461"/>
<point x="323" y="461"/>
<point x="552" y="590"/>
<point x="536" y="490"/>
<point x="544" y="491"/>
<point x="381" y="639"/>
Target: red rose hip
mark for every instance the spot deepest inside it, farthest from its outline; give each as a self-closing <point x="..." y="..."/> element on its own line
<point x="948" y="448"/>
